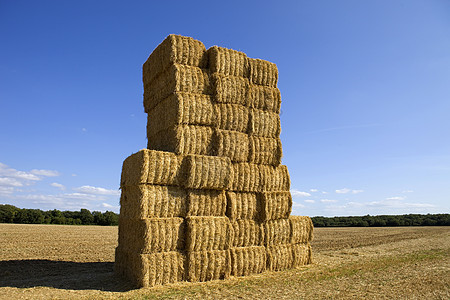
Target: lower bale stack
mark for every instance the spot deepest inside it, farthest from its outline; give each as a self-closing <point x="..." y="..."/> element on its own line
<point x="277" y="232"/>
<point x="206" y="172"/>
<point x="206" y="203"/>
<point x="246" y="177"/>
<point x="264" y="150"/>
<point x="248" y="260"/>
<point x="301" y="254"/>
<point x="241" y="205"/>
<point x="274" y="178"/>
<point x="232" y="144"/>
<point x="208" y="265"/>
<point x="274" y="205"/>
<point x="264" y="123"/>
<point x="208" y="233"/>
<point x="302" y="229"/>
<point x="247" y="233"/>
<point x="280" y="257"/>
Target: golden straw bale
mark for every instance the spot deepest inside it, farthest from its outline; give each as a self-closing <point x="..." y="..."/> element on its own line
<point x="232" y="144"/>
<point x="274" y="178"/>
<point x="247" y="233"/>
<point x="248" y="260"/>
<point x="208" y="265"/>
<point x="181" y="108"/>
<point x="230" y="89"/>
<point x="206" y="203"/>
<point x="183" y="139"/>
<point x="265" y="98"/>
<point x="206" y="172"/>
<point x="177" y="78"/>
<point x="152" y="201"/>
<point x="264" y="123"/>
<point x="208" y="233"/>
<point x="241" y="205"/>
<point x="227" y="61"/>
<point x="301" y="254"/>
<point x="246" y="177"/>
<point x="150" y="166"/>
<point x="265" y="150"/>
<point x="232" y="117"/>
<point x="152" y="235"/>
<point x="280" y="257"/>
<point x="175" y="49"/>
<point x="302" y="229"/>
<point x="277" y="232"/>
<point x="263" y="72"/>
<point x="274" y="205"/>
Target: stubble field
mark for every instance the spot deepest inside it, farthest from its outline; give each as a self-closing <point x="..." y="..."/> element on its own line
<point x="57" y="261"/>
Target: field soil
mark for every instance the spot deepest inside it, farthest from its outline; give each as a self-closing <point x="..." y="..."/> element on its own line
<point x="75" y="262"/>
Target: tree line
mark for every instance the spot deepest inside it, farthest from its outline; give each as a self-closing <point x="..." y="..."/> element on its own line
<point x="384" y="220"/>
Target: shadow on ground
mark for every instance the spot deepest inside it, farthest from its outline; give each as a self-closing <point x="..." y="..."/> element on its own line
<point x="61" y="275"/>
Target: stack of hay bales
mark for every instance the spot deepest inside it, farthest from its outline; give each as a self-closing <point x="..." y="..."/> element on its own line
<point x="209" y="198"/>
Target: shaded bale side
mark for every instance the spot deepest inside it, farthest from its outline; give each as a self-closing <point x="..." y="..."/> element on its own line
<point x="264" y="150"/>
<point x="301" y="254"/>
<point x="175" y="49"/>
<point x="227" y="61"/>
<point x="274" y="178"/>
<point x="247" y="233"/>
<point x="232" y="144"/>
<point x="265" y="98"/>
<point x="263" y="72"/>
<point x="206" y="203"/>
<point x="241" y="205"/>
<point x="246" y="177"/>
<point x="280" y="257"/>
<point x="302" y="229"/>
<point x="181" y="108"/>
<point x="150" y="166"/>
<point x="206" y="172"/>
<point x="264" y="123"/>
<point x="277" y="232"/>
<point x="208" y="265"/>
<point x="183" y="140"/>
<point x="177" y="78"/>
<point x="152" y="235"/>
<point x="152" y="201"/>
<point x="208" y="233"/>
<point x="230" y="89"/>
<point x="274" y="205"/>
<point x="248" y="260"/>
<point x="233" y="117"/>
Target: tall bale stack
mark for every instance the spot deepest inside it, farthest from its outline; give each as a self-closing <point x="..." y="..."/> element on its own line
<point x="209" y="198"/>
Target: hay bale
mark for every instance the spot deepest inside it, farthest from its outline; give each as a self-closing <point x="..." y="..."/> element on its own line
<point x="232" y="144"/>
<point x="263" y="72"/>
<point x="246" y="177"/>
<point x="181" y="108"/>
<point x="206" y="172"/>
<point x="206" y="203"/>
<point x="302" y="229"/>
<point x="230" y="89"/>
<point x="175" y="49"/>
<point x="177" y="78"/>
<point x="265" y="98"/>
<point x="152" y="201"/>
<point x="232" y="117"/>
<point x="277" y="232"/>
<point x="274" y="178"/>
<point x="150" y="166"/>
<point x="227" y="61"/>
<point x="280" y="257"/>
<point x="301" y="254"/>
<point x="183" y="140"/>
<point x="208" y="233"/>
<point x="274" y="205"/>
<point x="264" y="150"/>
<point x="208" y="265"/>
<point x="152" y="235"/>
<point x="248" y="260"/>
<point x="241" y="205"/>
<point x="247" y="233"/>
<point x="264" y="123"/>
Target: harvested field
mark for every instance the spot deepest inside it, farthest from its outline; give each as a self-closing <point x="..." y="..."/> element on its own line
<point x="60" y="262"/>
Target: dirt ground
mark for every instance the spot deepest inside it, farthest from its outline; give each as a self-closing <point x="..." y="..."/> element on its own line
<point x="61" y="262"/>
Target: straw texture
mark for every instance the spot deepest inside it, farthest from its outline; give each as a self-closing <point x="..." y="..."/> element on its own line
<point x="230" y="89"/>
<point x="247" y="233"/>
<point x="274" y="178"/>
<point x="263" y="72"/>
<point x="302" y="229"/>
<point x="246" y="177"/>
<point x="264" y="123"/>
<point x="277" y="232"/>
<point x="274" y="205"/>
<point x="206" y="172"/>
<point x="263" y="150"/>
<point x="241" y="205"/>
<point x="227" y="61"/>
<point x="248" y="260"/>
<point x="232" y="117"/>
<point x="208" y="265"/>
<point x="232" y="144"/>
<point x="208" y="233"/>
<point x="301" y="254"/>
<point x="206" y="203"/>
<point x="280" y="257"/>
<point x="265" y="98"/>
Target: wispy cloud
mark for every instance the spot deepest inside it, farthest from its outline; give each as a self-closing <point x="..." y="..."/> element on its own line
<point x="58" y="185"/>
<point x="87" y="189"/>
<point x="408" y="191"/>
<point x="328" y="201"/>
<point x="396" y="198"/>
<point x="310" y="201"/>
<point x="8" y="181"/>
<point x="297" y="193"/>
<point x="46" y="173"/>
<point x="313" y="190"/>
<point x="346" y="191"/>
<point x="296" y="204"/>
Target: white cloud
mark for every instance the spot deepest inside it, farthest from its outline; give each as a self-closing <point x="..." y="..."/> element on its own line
<point x="408" y="191"/>
<point x="313" y="190"/>
<point x="12" y="182"/>
<point x="296" y="204"/>
<point x="47" y="173"/>
<point x="396" y="198"/>
<point x="357" y="191"/>
<point x="297" y="193"/>
<point x="343" y="191"/>
<point x="324" y="193"/>
<point x="328" y="201"/>
<point x="6" y="190"/>
<point x="5" y="171"/>
<point x="87" y="189"/>
<point x="310" y="201"/>
<point x="58" y="185"/>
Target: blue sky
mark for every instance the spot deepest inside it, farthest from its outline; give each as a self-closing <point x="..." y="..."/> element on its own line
<point x="365" y="91"/>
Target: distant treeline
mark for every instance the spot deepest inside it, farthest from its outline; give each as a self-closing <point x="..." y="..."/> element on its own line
<point x="380" y="221"/>
<point x="12" y="214"/>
